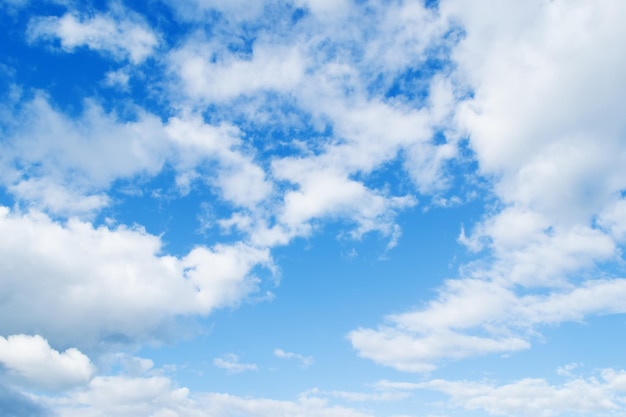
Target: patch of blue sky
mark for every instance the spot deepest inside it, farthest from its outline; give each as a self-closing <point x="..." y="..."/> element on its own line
<point x="278" y="127"/>
<point x="413" y="86"/>
<point x="152" y="201"/>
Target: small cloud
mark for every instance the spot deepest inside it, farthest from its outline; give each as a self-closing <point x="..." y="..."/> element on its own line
<point x="230" y="363"/>
<point x="306" y="361"/>
<point x="566" y="370"/>
<point x="117" y="79"/>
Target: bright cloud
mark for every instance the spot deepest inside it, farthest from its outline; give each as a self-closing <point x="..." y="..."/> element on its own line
<point x="31" y="360"/>
<point x="126" y="37"/>
<point x="87" y="281"/>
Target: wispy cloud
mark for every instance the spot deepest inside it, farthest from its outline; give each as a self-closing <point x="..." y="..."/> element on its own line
<point x="230" y="363"/>
<point x="305" y="361"/>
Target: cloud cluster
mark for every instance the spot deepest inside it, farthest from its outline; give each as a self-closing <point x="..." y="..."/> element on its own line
<point x="555" y="163"/>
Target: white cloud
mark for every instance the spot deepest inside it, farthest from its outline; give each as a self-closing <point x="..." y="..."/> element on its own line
<point x="57" y="199"/>
<point x="77" y="284"/>
<point x="603" y="394"/>
<point x="331" y="194"/>
<point x="118" y="79"/>
<point x="203" y="77"/>
<point x="30" y="360"/>
<point x="534" y="397"/>
<point x="65" y="165"/>
<point x="239" y="179"/>
<point x="121" y="396"/>
<point x="420" y="353"/>
<point x="474" y="317"/>
<point x="535" y="119"/>
<point x="61" y="164"/>
<point x="121" y="34"/>
<point x="554" y="156"/>
<point x="230" y="363"/>
<point x="304" y="360"/>
<point x="613" y="219"/>
<point x="332" y="87"/>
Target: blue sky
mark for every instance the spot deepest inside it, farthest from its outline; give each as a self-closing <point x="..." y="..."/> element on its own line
<point x="312" y="208"/>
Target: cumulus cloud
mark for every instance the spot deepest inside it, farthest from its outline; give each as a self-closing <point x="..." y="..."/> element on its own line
<point x="121" y="33"/>
<point x="78" y="284"/>
<point x="31" y="361"/>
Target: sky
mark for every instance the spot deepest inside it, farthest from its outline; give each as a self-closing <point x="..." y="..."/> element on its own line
<point x="312" y="208"/>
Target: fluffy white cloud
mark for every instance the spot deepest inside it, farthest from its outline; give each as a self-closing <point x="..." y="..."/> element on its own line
<point x="205" y="77"/>
<point x="535" y="120"/>
<point x="76" y="284"/>
<point x="63" y="164"/>
<point x="30" y="360"/>
<point x="120" y="33"/>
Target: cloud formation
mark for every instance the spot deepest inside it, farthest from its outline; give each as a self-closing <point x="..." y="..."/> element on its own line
<point x="122" y="33"/>
<point x="260" y="125"/>
<point x="31" y="360"/>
